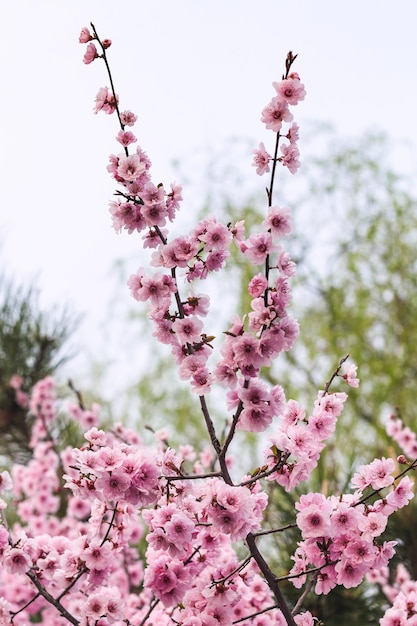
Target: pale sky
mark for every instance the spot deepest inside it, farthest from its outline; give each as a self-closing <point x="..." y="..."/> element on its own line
<point x="197" y="73"/>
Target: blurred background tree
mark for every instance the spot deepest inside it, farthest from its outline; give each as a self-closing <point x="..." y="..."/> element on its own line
<point x="33" y="344"/>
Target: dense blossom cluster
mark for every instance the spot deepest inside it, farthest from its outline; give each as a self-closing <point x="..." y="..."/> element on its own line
<point x="401" y="592"/>
<point x="339" y="533"/>
<point x="116" y="533"/>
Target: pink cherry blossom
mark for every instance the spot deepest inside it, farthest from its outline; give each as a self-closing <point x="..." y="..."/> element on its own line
<point x="349" y="374"/>
<point x="314" y="521"/>
<point x="96" y="556"/>
<point x="261" y="159"/>
<point x="85" y="36"/>
<point x="90" y="54"/>
<point x="402" y="493"/>
<point x="291" y="90"/>
<point x="188" y="329"/>
<point x="380" y="471"/>
<point x="278" y="221"/>
<point x="290" y="157"/>
<point x="17" y="561"/>
<point x="257" y="285"/>
<point x="293" y="133"/>
<point x="125" y="137"/>
<point x="275" y="113"/>
<point x="257" y="247"/>
<point x="105" y="101"/>
<point x="304" y="619"/>
<point x="349" y="574"/>
<point x="130" y="167"/>
<point x="128" y="118"/>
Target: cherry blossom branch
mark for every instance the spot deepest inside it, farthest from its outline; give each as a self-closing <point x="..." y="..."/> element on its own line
<point x="53" y="601"/>
<point x="153" y="604"/>
<point x="261" y="533"/>
<point x="334" y="375"/>
<point x="269" y="192"/>
<point x="374" y="492"/>
<point x="28" y="603"/>
<point x="252" y="615"/>
<point x="303" y="596"/>
<point x="264" y="473"/>
<point x="67" y="589"/>
<point x="311" y="570"/>
<point x="271" y="579"/>
<point x="206" y="414"/>
<point x="181" y="476"/>
<point x="83" y="570"/>
<point x="237" y="569"/>
<point x="212" y="433"/>
<point x="77" y="394"/>
<point x="104" y="57"/>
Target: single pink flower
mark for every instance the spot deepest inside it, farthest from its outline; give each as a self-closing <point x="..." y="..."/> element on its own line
<point x="125" y="137"/>
<point x="278" y="221"/>
<point x="96" y="556"/>
<point x="314" y="520"/>
<point x="17" y="561"/>
<point x="293" y="134"/>
<point x="90" y="54"/>
<point x="289" y="158"/>
<point x="96" y="605"/>
<point x="128" y="118"/>
<point x="85" y="36"/>
<point x="261" y="159"/>
<point x="130" y="167"/>
<point x="113" y="485"/>
<point x="275" y="113"/>
<point x="350" y="574"/>
<point x="402" y="493"/>
<point x="290" y="89"/>
<point x="258" y="247"/>
<point x="349" y="374"/>
<point x="188" y="329"/>
<point x="257" y="285"/>
<point x="380" y="471"/>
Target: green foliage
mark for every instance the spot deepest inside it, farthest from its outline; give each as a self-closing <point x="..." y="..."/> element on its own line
<point x="362" y="288"/>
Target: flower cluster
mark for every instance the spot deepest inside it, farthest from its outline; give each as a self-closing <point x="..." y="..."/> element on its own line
<point x="289" y="92"/>
<point x="296" y="447"/>
<point x="339" y="533"/>
<point x="403" y="436"/>
<point x="86" y="556"/>
<point x="116" y="533"/>
<point x="402" y="594"/>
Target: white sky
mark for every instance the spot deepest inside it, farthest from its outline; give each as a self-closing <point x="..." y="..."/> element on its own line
<point x="197" y="72"/>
